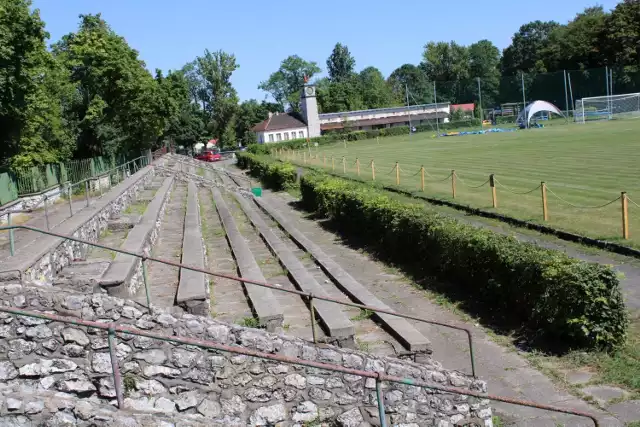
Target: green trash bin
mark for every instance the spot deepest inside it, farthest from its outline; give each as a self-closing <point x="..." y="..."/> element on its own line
<point x="257" y="191"/>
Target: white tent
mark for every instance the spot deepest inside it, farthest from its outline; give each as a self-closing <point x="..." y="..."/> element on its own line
<point x="536" y="107"/>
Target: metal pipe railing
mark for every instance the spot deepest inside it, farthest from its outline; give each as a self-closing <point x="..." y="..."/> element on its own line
<point x="112" y="328"/>
<point x="308" y="295"/>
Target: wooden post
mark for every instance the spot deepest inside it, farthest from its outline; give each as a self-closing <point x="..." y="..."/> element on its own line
<point x="324" y="159"/>
<point x="357" y="166"/>
<point x="344" y="165"/>
<point x="453" y="183"/>
<point x="545" y="212"/>
<point x="345" y="143"/>
<point x="492" y="184"/>
<point x="304" y="157"/>
<point x="422" y="178"/>
<point x="625" y="215"/>
<point x="333" y="164"/>
<point x="397" y="174"/>
<point x="378" y="140"/>
<point x="373" y="170"/>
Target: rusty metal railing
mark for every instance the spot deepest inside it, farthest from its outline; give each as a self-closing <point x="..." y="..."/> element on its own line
<point x="113" y="328"/>
<point x="310" y="297"/>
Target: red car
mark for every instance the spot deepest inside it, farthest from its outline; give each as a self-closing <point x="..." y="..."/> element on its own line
<point x="209" y="156"/>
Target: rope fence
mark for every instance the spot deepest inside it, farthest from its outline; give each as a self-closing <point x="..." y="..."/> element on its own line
<point x="369" y="167"/>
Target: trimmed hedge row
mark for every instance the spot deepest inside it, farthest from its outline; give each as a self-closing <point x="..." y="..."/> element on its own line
<point x="274" y="175"/>
<point x="553" y="299"/>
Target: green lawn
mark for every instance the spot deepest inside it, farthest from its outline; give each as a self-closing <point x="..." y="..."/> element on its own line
<point x="583" y="165"/>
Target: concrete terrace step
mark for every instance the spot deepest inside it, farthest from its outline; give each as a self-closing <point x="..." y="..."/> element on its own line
<point x="336" y="323"/>
<point x="402" y="330"/>
<point x="121" y="272"/>
<point x="264" y="303"/>
<point x="193" y="291"/>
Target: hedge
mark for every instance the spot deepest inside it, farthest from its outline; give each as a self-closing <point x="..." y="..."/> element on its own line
<point x="553" y="300"/>
<point x="274" y="175"/>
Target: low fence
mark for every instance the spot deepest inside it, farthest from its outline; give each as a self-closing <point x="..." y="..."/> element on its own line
<point x="419" y="179"/>
<point x="22" y="182"/>
<point x="114" y="328"/>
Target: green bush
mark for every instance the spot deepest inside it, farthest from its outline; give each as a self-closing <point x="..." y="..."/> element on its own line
<point x="275" y="175"/>
<point x="549" y="297"/>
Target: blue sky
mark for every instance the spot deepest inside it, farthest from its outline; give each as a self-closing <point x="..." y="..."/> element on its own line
<point x="261" y="34"/>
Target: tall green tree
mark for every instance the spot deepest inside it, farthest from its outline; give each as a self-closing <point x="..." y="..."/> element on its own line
<point x="411" y="78"/>
<point x="221" y="99"/>
<point x="32" y="91"/>
<point x="340" y="63"/>
<point x="527" y="49"/>
<point x="448" y="64"/>
<point x="484" y="63"/>
<point x="343" y="95"/>
<point x="119" y="106"/>
<point x="285" y="84"/>
<point x="376" y="92"/>
<point x="623" y="35"/>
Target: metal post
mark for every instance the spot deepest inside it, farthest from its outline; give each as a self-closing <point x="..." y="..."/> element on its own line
<point x="566" y="93"/>
<point x="313" y="319"/>
<point x="480" y="103"/>
<point x="435" y="100"/>
<point x="380" y="398"/>
<point x="524" y="100"/>
<point x="12" y="244"/>
<point x="86" y="192"/>
<point x="406" y="88"/>
<point x="606" y="86"/>
<point x="117" y="381"/>
<point x="144" y="277"/>
<point x="46" y="212"/>
<point x="70" y="196"/>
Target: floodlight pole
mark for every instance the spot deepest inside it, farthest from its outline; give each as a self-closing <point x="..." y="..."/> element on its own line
<point x="435" y="100"/>
<point x="524" y="101"/>
<point x="566" y="94"/>
<point x="606" y="78"/>
<point x="406" y="88"/>
<point x="480" y="103"/>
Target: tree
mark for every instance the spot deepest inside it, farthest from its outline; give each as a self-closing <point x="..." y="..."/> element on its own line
<point x="448" y="63"/>
<point x="376" y="92"/>
<point x="414" y="79"/>
<point x="340" y="63"/>
<point x="220" y="98"/>
<point x="284" y="85"/>
<point x="484" y="63"/>
<point x="623" y="35"/>
<point x="32" y="91"/>
<point x="251" y="113"/>
<point x="526" y="51"/>
<point x="343" y="95"/>
<point x="119" y="106"/>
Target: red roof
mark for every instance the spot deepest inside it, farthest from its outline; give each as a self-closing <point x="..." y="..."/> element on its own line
<point x="463" y="107"/>
<point x="280" y="121"/>
<point x="212" y="142"/>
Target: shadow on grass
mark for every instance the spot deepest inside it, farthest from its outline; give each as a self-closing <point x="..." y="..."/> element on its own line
<point x="500" y="321"/>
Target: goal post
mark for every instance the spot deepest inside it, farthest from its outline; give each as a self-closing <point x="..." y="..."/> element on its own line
<point x="612" y="107"/>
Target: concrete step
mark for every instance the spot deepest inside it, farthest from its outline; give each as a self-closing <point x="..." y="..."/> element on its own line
<point x="267" y="309"/>
<point x="82" y="276"/>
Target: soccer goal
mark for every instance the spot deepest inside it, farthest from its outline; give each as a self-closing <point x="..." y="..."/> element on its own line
<point x="611" y="107"/>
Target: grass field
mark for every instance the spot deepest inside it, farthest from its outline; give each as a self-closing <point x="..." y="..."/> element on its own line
<point x="583" y="166"/>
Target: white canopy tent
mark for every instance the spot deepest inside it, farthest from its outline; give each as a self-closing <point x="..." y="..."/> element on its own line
<point x="536" y="107"/>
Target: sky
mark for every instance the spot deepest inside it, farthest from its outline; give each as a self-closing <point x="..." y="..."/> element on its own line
<point x="168" y="34"/>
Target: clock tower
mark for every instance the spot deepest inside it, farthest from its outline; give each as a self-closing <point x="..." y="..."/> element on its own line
<point x="309" y="107"/>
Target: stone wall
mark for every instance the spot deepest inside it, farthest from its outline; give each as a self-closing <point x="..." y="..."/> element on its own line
<point x="44" y="269"/>
<point x="38" y="357"/>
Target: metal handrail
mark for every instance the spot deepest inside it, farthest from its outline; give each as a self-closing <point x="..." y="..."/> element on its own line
<point x="308" y="295"/>
<point x="379" y="377"/>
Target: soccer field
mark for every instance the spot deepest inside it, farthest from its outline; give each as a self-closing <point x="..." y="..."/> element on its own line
<point x="583" y="165"/>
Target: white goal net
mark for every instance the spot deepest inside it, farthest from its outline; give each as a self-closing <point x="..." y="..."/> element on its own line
<point x="608" y="107"/>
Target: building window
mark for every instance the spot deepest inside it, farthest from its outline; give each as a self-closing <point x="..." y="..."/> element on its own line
<point x="270" y="137"/>
<point x="286" y="136"/>
<point x="278" y="137"/>
<point x="293" y="135"/>
<point x="301" y="134"/>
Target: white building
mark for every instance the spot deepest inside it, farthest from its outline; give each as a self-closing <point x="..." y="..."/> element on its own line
<point x="309" y="124"/>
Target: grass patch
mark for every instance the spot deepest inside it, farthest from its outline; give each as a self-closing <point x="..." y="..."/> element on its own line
<point x="249" y="322"/>
<point x="364" y="346"/>
<point x="363" y="315"/>
<point x="136" y="208"/>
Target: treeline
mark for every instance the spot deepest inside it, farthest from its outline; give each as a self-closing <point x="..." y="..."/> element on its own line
<point x="594" y="38"/>
<point x="91" y="95"/>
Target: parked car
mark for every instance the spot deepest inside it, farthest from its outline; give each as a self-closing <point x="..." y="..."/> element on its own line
<point x="209" y="156"/>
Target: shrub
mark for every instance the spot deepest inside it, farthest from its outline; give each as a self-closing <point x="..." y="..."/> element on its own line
<point x="550" y="297"/>
<point x="275" y="175"/>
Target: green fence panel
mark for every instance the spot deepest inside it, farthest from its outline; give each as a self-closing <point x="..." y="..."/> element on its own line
<point x="8" y="188"/>
<point x="51" y="174"/>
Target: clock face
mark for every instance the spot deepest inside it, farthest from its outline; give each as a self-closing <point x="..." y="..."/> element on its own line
<point x="309" y="90"/>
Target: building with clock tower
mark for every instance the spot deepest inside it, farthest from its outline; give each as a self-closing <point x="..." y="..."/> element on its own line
<point x="309" y="107"/>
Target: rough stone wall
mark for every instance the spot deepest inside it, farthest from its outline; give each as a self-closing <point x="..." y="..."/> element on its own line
<point x="39" y="357"/>
<point x="37" y="201"/>
<point x="43" y="270"/>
